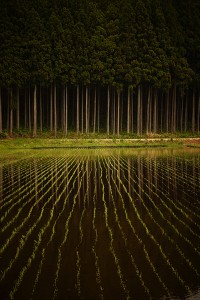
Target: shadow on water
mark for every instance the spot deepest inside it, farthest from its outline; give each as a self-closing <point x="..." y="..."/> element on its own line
<point x="101" y="223"/>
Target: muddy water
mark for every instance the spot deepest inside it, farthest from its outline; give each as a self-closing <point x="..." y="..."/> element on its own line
<point x="114" y="224"/>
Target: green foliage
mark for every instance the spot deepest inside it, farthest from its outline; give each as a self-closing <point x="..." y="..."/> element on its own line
<point x="94" y="41"/>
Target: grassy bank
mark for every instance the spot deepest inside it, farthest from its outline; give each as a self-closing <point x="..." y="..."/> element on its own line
<point x="13" y="149"/>
<point x="19" y="144"/>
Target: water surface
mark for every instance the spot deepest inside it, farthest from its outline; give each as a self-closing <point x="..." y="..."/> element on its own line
<point x="101" y="224"/>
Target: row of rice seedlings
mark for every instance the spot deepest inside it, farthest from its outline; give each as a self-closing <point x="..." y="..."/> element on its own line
<point x="59" y="255"/>
<point x="78" y="261"/>
<point x="53" y="232"/>
<point x="17" y="229"/>
<point x="28" y="176"/>
<point x="97" y="268"/>
<point x="117" y="263"/>
<point x="186" y="177"/>
<point x="45" y="174"/>
<point x="194" y="165"/>
<point x="159" y="246"/>
<point x="178" y="202"/>
<point x="25" y="237"/>
<point x="179" y="174"/>
<point x="179" y="250"/>
<point x="173" y="203"/>
<point x="164" y="203"/>
<point x="137" y="271"/>
<point x="139" y="239"/>
<point x="182" y="185"/>
<point x="27" y="188"/>
<point x="9" y="174"/>
<point x="178" y="208"/>
<point x="8" y="197"/>
<point x="181" y="253"/>
<point x="39" y="240"/>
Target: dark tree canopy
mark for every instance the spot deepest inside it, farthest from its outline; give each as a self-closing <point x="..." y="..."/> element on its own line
<point x="151" y="47"/>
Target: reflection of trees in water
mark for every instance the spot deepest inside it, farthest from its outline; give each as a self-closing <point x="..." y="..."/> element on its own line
<point x="91" y="223"/>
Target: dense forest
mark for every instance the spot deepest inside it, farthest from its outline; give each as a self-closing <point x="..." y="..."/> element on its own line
<point x="99" y="66"/>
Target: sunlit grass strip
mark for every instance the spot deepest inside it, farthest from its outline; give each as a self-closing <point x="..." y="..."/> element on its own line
<point x="181" y="253"/>
<point x="56" y="221"/>
<point x="97" y="268"/>
<point x="24" y="238"/>
<point x="38" y="242"/>
<point x="117" y="263"/>
<point x="137" y="272"/>
<point x="141" y="242"/>
<point x="28" y="188"/>
<point x="44" y="175"/>
<point x="17" y="229"/>
<point x="159" y="246"/>
<point x="59" y="257"/>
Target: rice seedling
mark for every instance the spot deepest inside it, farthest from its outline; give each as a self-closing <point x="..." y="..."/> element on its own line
<point x="124" y="224"/>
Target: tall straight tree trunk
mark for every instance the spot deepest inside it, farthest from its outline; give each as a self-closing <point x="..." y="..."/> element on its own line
<point x="86" y="109"/>
<point x="25" y="108"/>
<point x="41" y="127"/>
<point x="95" y="108"/>
<point x="141" y="111"/>
<point x="66" y="110"/>
<point x="108" y="110"/>
<point x="174" y="109"/>
<point x="161" y="113"/>
<point x="17" y="108"/>
<point x="121" y="113"/>
<point x="128" y="111"/>
<point x="118" y="111"/>
<point x="89" y="93"/>
<point x="55" y="109"/>
<point x="51" y="109"/>
<point x="63" y="109"/>
<point x="138" y="110"/>
<point x="193" y="112"/>
<point x="148" y="111"/>
<point x="35" y="111"/>
<point x="0" y="112"/>
<point x="77" y="108"/>
<point x="82" y="111"/>
<point x="29" y="108"/>
<point x="8" y="111"/>
<point x="11" y="113"/>
<point x="167" y="113"/>
<point x="114" y="113"/>
<point x="186" y="112"/>
<point x="181" y="118"/>
<point x="132" y="112"/>
<point x="155" y="112"/>
<point x="198" y="115"/>
<point x="98" y="113"/>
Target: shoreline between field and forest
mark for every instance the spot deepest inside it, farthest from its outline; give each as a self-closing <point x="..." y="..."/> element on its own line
<point x="39" y="143"/>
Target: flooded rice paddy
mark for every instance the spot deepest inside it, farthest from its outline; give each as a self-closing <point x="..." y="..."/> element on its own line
<point x="101" y="224"/>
